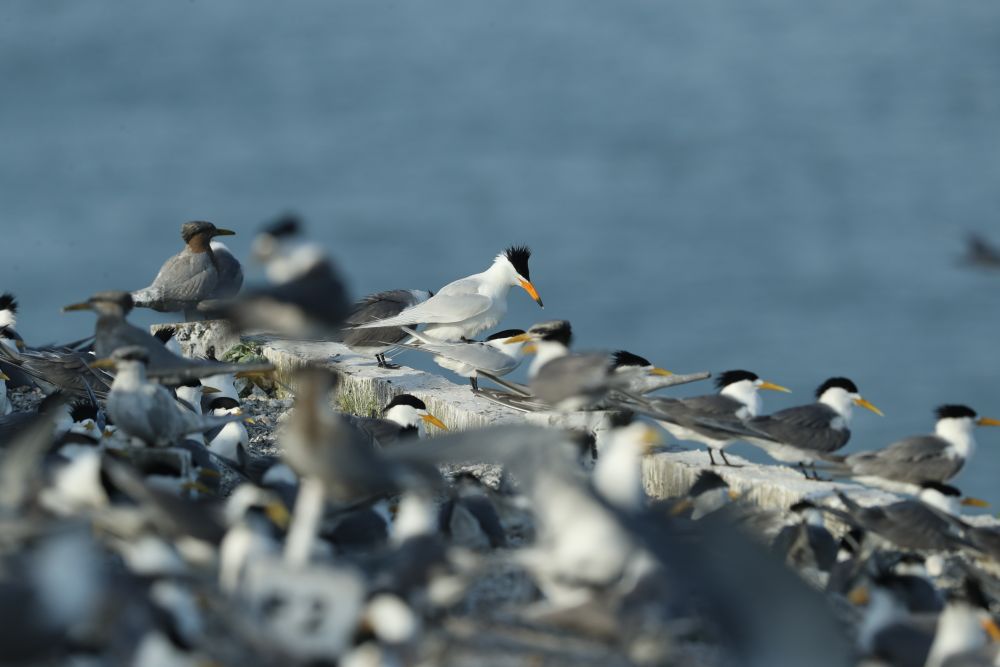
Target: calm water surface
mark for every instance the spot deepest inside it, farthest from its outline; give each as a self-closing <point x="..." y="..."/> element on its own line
<point x="735" y="183"/>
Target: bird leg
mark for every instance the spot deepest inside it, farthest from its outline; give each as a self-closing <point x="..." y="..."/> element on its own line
<point x="382" y="363"/>
<point x="802" y="469"/>
<point x="711" y="457"/>
<point x="475" y="384"/>
<point x="723" y="454"/>
<point x="305" y="522"/>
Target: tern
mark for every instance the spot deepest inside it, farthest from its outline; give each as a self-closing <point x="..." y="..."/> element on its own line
<point x="191" y="276"/>
<point x="146" y="410"/>
<point x="715" y="420"/>
<point x="493" y="357"/>
<point x="405" y="416"/>
<point x="801" y="434"/>
<point x="114" y="331"/>
<point x="569" y="382"/>
<point x="924" y="458"/>
<point x="307" y="297"/>
<point x="468" y="306"/>
<point x="379" y="306"/>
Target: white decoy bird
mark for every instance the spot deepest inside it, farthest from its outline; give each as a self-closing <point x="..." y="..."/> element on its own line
<point x="715" y="420"/>
<point x="802" y="434"/>
<point x="192" y="275"/>
<point x="146" y="410"/>
<point x="379" y="306"/>
<point x="465" y="307"/>
<point x="492" y="357"/>
<point x="925" y="458"/>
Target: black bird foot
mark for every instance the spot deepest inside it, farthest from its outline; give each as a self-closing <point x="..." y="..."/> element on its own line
<point x="382" y="363"/>
<point x="726" y="461"/>
<point x="475" y="385"/>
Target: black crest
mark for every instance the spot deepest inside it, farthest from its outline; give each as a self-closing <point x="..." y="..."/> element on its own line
<point x="405" y="399"/>
<point x="727" y="378"/>
<point x="843" y="383"/>
<point x="506" y="333"/>
<point x="83" y="410"/>
<point x="621" y="418"/>
<point x="554" y="330"/>
<point x="707" y="481"/>
<point x="224" y="403"/>
<point x="8" y="302"/>
<point x="623" y="358"/>
<point x="287" y="225"/>
<point x="943" y="489"/>
<point x="191" y="229"/>
<point x="518" y="255"/>
<point x="955" y="412"/>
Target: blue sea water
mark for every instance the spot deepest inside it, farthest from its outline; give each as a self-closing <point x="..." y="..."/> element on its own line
<point x="765" y="184"/>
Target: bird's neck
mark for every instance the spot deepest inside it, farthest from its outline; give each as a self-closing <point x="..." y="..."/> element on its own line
<point x="406" y="416"/>
<point x="129" y="376"/>
<point x="747" y="394"/>
<point x="547" y="351"/>
<point x="497" y="280"/>
<point x="200" y="243"/>
<point x="8" y="318"/>
<point x="618" y="473"/>
<point x="959" y="434"/>
<point x="883" y="610"/>
<point x="947" y="504"/>
<point x="840" y="402"/>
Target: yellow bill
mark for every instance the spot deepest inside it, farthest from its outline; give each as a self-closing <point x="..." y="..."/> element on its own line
<point x="868" y="406"/>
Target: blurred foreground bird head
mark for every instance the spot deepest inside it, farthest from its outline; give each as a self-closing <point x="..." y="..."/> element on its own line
<point x="113" y="302"/>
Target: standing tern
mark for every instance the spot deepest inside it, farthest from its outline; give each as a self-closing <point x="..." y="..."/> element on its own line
<point x="146" y="410"/>
<point x="465" y="307"/>
<point x="189" y="277"/>
<point x="801" y="434"/>
<point x="491" y="357"/>
<point x="380" y="306"/>
<point x="923" y="458"/>
<point x="715" y="420"/>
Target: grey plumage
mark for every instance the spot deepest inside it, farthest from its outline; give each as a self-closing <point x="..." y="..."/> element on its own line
<point x="911" y="460"/>
<point x="230" y="272"/>
<point x="379" y="306"/>
<point x="113" y="331"/>
<point x="191" y="276"/>
<point x="575" y="381"/>
<point x="805" y="427"/>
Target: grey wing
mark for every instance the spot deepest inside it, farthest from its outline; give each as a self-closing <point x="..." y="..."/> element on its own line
<point x="379" y="306"/>
<point x="806" y="427"/>
<point x="478" y="355"/>
<point x="440" y="308"/>
<point x="917" y="459"/>
<point x="914" y="525"/>
<point x="230" y="272"/>
<point x="186" y="277"/>
<point x="376" y="431"/>
<point x="572" y="375"/>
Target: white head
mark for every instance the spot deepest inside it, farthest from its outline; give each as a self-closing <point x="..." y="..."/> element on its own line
<point x="410" y="412"/>
<point x="511" y="266"/>
<point x="547" y="341"/>
<point x="964" y="626"/>
<point x="947" y="498"/>
<point x="955" y="423"/>
<point x="743" y="386"/>
<point x="618" y="471"/>
<point x="286" y="255"/>
<point x="842" y="395"/>
<point x="8" y="310"/>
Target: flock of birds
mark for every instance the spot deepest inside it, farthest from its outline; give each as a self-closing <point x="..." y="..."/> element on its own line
<point x="121" y="540"/>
